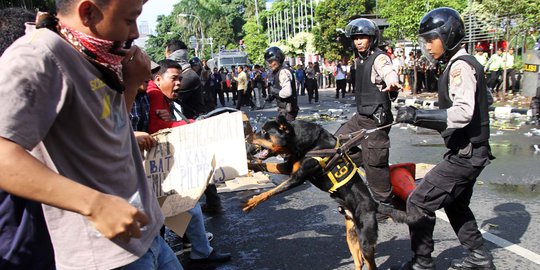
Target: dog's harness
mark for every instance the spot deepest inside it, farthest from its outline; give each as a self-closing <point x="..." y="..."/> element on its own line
<point x="340" y="173"/>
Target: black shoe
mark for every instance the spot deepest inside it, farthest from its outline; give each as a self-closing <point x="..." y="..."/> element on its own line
<point x="477" y="259"/>
<point x="419" y="263"/>
<point x="211" y="209"/>
<point x="214" y="257"/>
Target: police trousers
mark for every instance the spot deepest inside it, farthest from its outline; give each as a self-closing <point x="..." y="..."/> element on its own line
<point x="373" y="155"/>
<point x="448" y="185"/>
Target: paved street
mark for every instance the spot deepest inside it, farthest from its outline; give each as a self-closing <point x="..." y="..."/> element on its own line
<point x="301" y="229"/>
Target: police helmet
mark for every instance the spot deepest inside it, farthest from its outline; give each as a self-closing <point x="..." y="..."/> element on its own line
<point x="274" y="53"/>
<point x="443" y="23"/>
<point x="195" y="61"/>
<point x="366" y="27"/>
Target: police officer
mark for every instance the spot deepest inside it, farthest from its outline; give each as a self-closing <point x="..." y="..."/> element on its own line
<point x="375" y="78"/>
<point x="462" y="119"/>
<point x="283" y="88"/>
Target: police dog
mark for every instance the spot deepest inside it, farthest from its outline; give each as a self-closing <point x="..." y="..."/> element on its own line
<point x="295" y="141"/>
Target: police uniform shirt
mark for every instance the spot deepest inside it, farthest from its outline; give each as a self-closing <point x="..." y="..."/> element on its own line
<point x="508" y="60"/>
<point x="285" y="79"/>
<point x="461" y="89"/>
<point x="383" y="71"/>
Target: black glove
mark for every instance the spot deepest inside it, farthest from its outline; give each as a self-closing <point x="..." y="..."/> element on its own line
<point x="406" y="115"/>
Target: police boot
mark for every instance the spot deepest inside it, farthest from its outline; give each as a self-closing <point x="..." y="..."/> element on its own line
<point x="477" y="259"/>
<point x="419" y="263"/>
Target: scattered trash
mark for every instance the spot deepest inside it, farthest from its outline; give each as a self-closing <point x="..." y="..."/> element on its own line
<point x="335" y="111"/>
<point x="528" y="134"/>
<point x="478" y="182"/>
<point x="491" y="225"/>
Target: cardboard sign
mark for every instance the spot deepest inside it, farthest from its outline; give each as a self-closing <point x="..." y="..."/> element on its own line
<point x="186" y="157"/>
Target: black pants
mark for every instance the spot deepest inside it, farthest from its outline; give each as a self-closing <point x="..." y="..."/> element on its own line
<point x="373" y="157"/>
<point x="341" y="85"/>
<point x="449" y="186"/>
<point x="212" y="197"/>
<point x="493" y="82"/>
<point x="221" y="96"/>
<point x="244" y="98"/>
<point x="312" y="90"/>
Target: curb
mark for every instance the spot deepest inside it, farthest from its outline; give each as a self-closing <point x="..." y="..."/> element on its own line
<point x="434" y="103"/>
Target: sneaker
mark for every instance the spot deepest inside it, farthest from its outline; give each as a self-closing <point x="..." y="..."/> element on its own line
<point x="187" y="244"/>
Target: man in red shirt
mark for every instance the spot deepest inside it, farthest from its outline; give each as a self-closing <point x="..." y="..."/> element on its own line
<point x="161" y="93"/>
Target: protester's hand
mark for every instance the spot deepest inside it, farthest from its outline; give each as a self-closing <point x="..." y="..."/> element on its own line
<point x="164" y="115"/>
<point x="406" y="114"/>
<point x="135" y="68"/>
<point x="114" y="217"/>
<point x="393" y="87"/>
<point x="144" y="140"/>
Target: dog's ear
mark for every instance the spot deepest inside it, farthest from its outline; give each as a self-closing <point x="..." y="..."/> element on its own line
<point x="284" y="126"/>
<point x="281" y="120"/>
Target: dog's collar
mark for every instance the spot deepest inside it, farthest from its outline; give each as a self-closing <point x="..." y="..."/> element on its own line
<point x="341" y="173"/>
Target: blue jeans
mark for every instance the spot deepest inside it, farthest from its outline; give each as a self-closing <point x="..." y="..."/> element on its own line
<point x="196" y="232"/>
<point x="159" y="257"/>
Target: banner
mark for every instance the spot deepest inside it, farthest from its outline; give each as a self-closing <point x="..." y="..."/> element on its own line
<point x="188" y="157"/>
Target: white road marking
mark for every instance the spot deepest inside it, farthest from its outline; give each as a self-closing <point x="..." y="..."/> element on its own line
<point x="523" y="252"/>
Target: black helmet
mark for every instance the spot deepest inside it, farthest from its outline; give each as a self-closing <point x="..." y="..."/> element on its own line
<point x="366" y="27"/>
<point x="274" y="53"/>
<point x="195" y="61"/>
<point x="443" y="23"/>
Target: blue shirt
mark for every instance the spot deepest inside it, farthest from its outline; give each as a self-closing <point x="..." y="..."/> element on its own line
<point x="139" y="112"/>
<point x="300" y="74"/>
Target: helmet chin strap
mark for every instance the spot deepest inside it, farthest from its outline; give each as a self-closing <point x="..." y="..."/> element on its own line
<point x="447" y="55"/>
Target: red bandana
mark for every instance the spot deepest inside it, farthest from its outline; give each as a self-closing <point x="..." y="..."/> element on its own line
<point x="95" y="48"/>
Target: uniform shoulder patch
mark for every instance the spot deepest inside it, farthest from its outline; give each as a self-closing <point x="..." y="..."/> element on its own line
<point x="383" y="59"/>
<point x="455" y="72"/>
<point x="456" y="76"/>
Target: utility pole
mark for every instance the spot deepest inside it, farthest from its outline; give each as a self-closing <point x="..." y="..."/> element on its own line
<point x="292" y="12"/>
<point x="257" y="14"/>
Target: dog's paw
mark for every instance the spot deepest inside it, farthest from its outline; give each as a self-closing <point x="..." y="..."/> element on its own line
<point x="250" y="204"/>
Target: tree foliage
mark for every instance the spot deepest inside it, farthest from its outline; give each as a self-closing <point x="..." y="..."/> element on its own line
<point x="332" y="15"/>
<point x="404" y="16"/>
<point x="223" y="20"/>
<point x="255" y="41"/>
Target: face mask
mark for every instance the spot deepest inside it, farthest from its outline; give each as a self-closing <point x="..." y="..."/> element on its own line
<point x="97" y="49"/>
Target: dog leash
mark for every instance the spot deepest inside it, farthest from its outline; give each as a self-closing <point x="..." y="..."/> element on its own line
<point x="353" y="138"/>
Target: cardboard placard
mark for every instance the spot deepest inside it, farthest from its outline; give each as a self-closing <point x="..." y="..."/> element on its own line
<point x="186" y="157"/>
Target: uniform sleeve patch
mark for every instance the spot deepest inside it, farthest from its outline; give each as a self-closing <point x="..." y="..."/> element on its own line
<point x="383" y="60"/>
<point x="456" y="72"/>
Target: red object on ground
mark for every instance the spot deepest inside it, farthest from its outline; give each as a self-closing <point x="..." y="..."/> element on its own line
<point x="402" y="177"/>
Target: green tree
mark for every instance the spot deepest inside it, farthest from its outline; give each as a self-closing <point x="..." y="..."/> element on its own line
<point x="221" y="19"/>
<point x="404" y="16"/>
<point x="332" y="15"/>
<point x="255" y="40"/>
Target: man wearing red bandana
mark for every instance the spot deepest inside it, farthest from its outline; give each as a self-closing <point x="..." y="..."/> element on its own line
<point x="66" y="139"/>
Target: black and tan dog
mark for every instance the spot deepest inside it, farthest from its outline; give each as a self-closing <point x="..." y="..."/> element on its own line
<point x="296" y="141"/>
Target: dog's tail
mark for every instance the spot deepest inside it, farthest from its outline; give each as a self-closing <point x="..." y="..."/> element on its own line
<point x="398" y="215"/>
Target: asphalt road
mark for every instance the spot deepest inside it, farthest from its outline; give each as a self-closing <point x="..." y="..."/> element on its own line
<point x="301" y="229"/>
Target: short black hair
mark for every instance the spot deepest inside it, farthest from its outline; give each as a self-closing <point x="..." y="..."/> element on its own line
<point x="64" y="6"/>
<point x="175" y="45"/>
<point x="165" y="64"/>
<point x="12" y="25"/>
